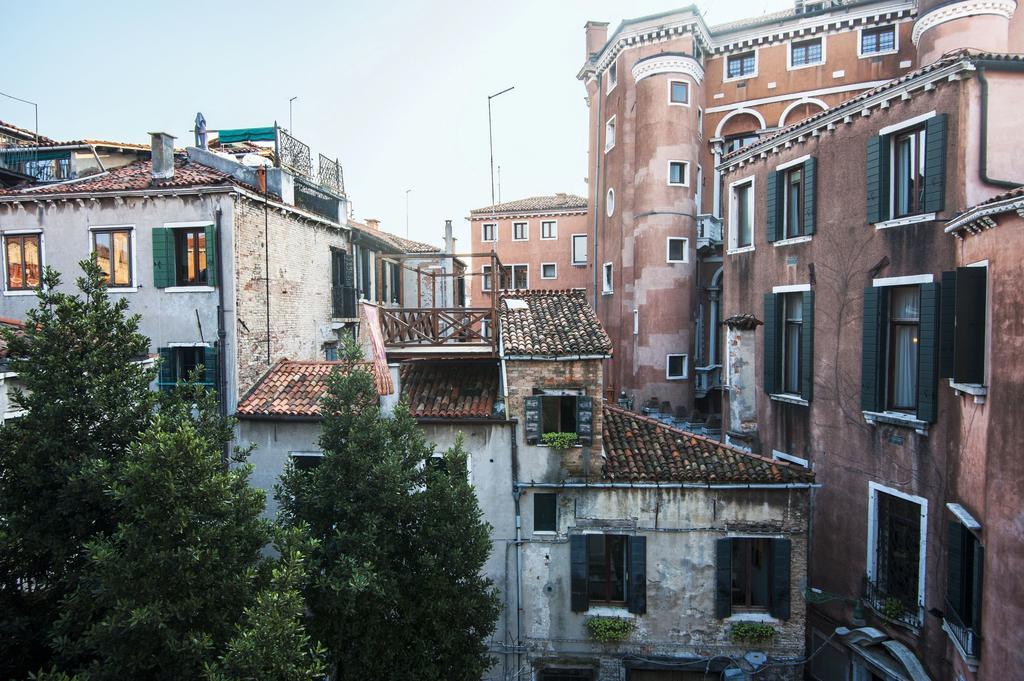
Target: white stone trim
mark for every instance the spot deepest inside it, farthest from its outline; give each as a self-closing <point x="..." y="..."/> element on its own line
<point x="133" y="287"/>
<point x="686" y="174"/>
<point x="783" y="456"/>
<point x="806" y="94"/>
<point x="794" y="162"/>
<point x="805" y="100"/>
<point x="895" y="41"/>
<point x="668" y="249"/>
<point x="686" y="366"/>
<point x="908" y="123"/>
<point x="746" y="76"/>
<point x="908" y="220"/>
<point x="545" y="264"/>
<point x="527" y="232"/>
<point x="188" y="289"/>
<point x="753" y="112"/>
<point x="874" y="489"/>
<point x="610" y="125"/>
<point x="961" y="10"/>
<point x="555" y="232"/>
<point x="669" y="63"/>
<point x="903" y="281"/>
<point x="792" y="288"/>
<point x="792" y="241"/>
<point x="964" y="516"/>
<point x="803" y="39"/>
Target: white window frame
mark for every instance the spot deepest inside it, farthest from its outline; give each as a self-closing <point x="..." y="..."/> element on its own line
<point x="689" y="90"/>
<point x="572" y="250"/>
<point x="686" y="174"/>
<point x="613" y="77"/>
<point x="668" y="249"/>
<point x="554" y="231"/>
<point x="607" y="279"/>
<point x="733" y="235"/>
<point x="725" y="66"/>
<point x="134" y="286"/>
<point x="609" y="202"/>
<point x="512" y="280"/>
<point x="783" y="456"/>
<point x="890" y="131"/>
<point x="42" y="259"/>
<point x="609" y="134"/>
<point x="789" y="53"/>
<point x="483" y="278"/>
<point x="526" y="230"/>
<point x="869" y="55"/>
<point x="483" y="232"/>
<point x="686" y="366"/>
<point x="485" y="328"/>
<point x="874" y="489"/>
<point x="552" y="264"/>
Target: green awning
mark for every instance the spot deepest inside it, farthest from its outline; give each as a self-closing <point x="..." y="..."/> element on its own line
<point x="247" y="135"/>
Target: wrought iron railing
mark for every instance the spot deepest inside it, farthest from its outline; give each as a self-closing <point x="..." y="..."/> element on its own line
<point x="294" y="154"/>
<point x="966" y="637"/>
<point x="331" y="177"/>
<point x="895" y="608"/>
<point x="406" y="327"/>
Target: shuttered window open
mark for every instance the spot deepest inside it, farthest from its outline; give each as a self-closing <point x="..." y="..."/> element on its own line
<point x="969" y="336"/>
<point x="773" y="207"/>
<point x="772" y="343"/>
<point x="935" y="164"/>
<point x="807" y="347"/>
<point x="723" y="578"/>
<point x="928" y="354"/>
<point x="164" y="266"/>
<point x="211" y="255"/>
<point x="871" y="358"/>
<point x="878" y="179"/>
<point x="636" y="590"/>
<point x="809" y="194"/>
<point x="779" y="562"/>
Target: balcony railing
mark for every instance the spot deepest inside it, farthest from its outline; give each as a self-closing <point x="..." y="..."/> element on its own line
<point x="709" y="231"/>
<point x="418" y="327"/>
<point x="966" y="638"/>
<point x="898" y="609"/>
<point x="707" y="379"/>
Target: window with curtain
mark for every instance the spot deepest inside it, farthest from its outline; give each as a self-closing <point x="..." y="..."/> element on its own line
<point x="791" y="340"/>
<point x="793" y="205"/>
<point x="113" y="249"/>
<point x="904" y="323"/>
<point x="909" y="172"/>
<point x="24" y="263"/>
<point x="190" y="246"/>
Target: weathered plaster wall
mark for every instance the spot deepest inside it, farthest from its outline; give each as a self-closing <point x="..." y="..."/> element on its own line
<point x="273" y="442"/>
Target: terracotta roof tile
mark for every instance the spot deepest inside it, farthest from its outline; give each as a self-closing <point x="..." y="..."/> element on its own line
<point x="550" y="324"/>
<point x="133" y="177"/>
<point x="293" y="388"/>
<point x="640" y="449"/>
<point x="536" y="203"/>
<point x="450" y="389"/>
<point x="392" y="242"/>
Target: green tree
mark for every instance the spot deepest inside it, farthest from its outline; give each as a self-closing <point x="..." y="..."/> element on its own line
<point x="396" y="591"/>
<point x="86" y="398"/>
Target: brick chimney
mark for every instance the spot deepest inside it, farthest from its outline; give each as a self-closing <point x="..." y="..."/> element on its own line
<point x="162" y="146"/>
<point x="597" y="36"/>
<point x="373" y="223"/>
<point x="449" y="238"/>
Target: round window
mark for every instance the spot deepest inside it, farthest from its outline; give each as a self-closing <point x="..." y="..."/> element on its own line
<point x="610" y="202"/>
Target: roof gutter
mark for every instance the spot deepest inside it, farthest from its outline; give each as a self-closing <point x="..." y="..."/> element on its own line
<point x="298" y="418"/>
<point x="664" y="485"/>
<point x="553" y="358"/>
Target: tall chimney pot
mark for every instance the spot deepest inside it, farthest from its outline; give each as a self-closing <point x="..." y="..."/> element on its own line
<point x="449" y="241"/>
<point x="162" y="147"/>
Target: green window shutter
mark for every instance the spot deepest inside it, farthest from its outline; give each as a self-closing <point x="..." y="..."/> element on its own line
<point x="772" y="344"/>
<point x="810" y="191"/>
<point x="210" y="357"/>
<point x="211" y="255"/>
<point x="871" y="360"/>
<point x="928" y="354"/>
<point x="947" y="325"/>
<point x="168" y="371"/>
<point x="779" y="564"/>
<point x="531" y="420"/>
<point x="163" y="257"/>
<point x="969" y="339"/>
<point x="955" y="567"/>
<point x="878" y="178"/>
<point x="637" y="575"/>
<point x="723" y="578"/>
<point x="579" y="596"/>
<point x="773" y="209"/>
<point x="585" y="420"/>
<point x="977" y="585"/>
<point x="935" y="164"/>
<point x="807" y="347"/>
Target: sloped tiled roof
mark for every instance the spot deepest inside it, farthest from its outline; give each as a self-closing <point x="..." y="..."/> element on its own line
<point x="132" y="177"/>
<point x="550" y="324"/>
<point x="640" y="449"/>
<point x="449" y="389"/>
<point x="392" y="242"/>
<point x="536" y="203"/>
<point x="14" y="130"/>
<point x="294" y="388"/>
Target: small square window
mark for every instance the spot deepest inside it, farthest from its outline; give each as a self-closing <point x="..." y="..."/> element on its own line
<point x="675" y="367"/>
<point x="486" y="280"/>
<point x="878" y="40"/>
<point x="741" y="65"/>
<point x="23" y="257"/>
<point x="520" y="231"/>
<point x="113" y="249"/>
<point x="607" y="280"/>
<point x="545" y="512"/>
<point x="679" y="173"/>
<point x="679" y="92"/>
<point x="331" y="351"/>
<point x="549" y="229"/>
<point x="558" y="414"/>
<point x="306" y="461"/>
<point x="489" y="232"/>
<point x="609" y="134"/>
<point x="806" y="53"/>
<point x="548" y="270"/>
<point x="613" y="76"/>
<point x="678" y="249"/>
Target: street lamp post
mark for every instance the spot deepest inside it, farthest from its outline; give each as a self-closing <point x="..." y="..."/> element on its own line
<point x="290" y="130"/>
<point x="34" y="105"/>
<point x="490" y="135"/>
<point x="407" y="212"/>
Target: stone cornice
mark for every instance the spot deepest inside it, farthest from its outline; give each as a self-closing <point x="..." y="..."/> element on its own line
<point x="981" y="218"/>
<point x="668" y="63"/>
<point x="960" y="10"/>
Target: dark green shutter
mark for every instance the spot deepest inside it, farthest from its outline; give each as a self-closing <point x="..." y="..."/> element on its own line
<point x="778" y="563"/>
<point x="928" y="354"/>
<point x="163" y="257"/>
<point x="807" y="347"/>
<point x="878" y="179"/>
<point x="637" y="575"/>
<point x="585" y="420"/>
<point x="531" y="419"/>
<point x="871" y="359"/>
<point x="723" y="578"/>
<point x="955" y="567"/>
<point x="810" y="192"/>
<point x="977" y="584"/>
<point x="772" y="344"/>
<point x="969" y="339"/>
<point x="210" y="367"/>
<point x="947" y="325"/>
<point x="211" y="255"/>
<point x="168" y="372"/>
<point x="579" y="600"/>
<point x="935" y="164"/>
<point x="773" y="207"/>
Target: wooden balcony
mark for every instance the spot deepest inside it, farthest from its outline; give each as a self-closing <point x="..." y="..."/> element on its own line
<point x="439" y="331"/>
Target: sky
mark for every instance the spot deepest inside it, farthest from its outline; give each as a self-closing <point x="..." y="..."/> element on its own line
<point x="397" y="90"/>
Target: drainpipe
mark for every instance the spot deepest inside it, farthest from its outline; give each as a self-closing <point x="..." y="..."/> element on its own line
<point x="597" y="178"/>
<point x="516" y="494"/>
<point x="222" y="334"/>
<point x="983" y="152"/>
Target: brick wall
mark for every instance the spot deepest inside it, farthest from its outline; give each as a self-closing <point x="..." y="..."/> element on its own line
<point x="300" y="287"/>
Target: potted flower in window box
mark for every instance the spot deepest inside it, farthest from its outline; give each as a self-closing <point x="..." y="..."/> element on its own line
<point x="609" y="630"/>
<point x="755" y="634"/>
<point x="560" y="442"/>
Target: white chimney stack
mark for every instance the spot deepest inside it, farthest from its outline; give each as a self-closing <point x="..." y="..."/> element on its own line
<point x="162" y="147"/>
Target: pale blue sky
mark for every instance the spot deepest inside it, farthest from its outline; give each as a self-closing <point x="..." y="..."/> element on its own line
<point x="396" y="90"/>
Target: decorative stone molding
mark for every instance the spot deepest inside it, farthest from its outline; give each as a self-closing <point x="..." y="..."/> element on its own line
<point x="961" y="10"/>
<point x="668" y="63"/>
